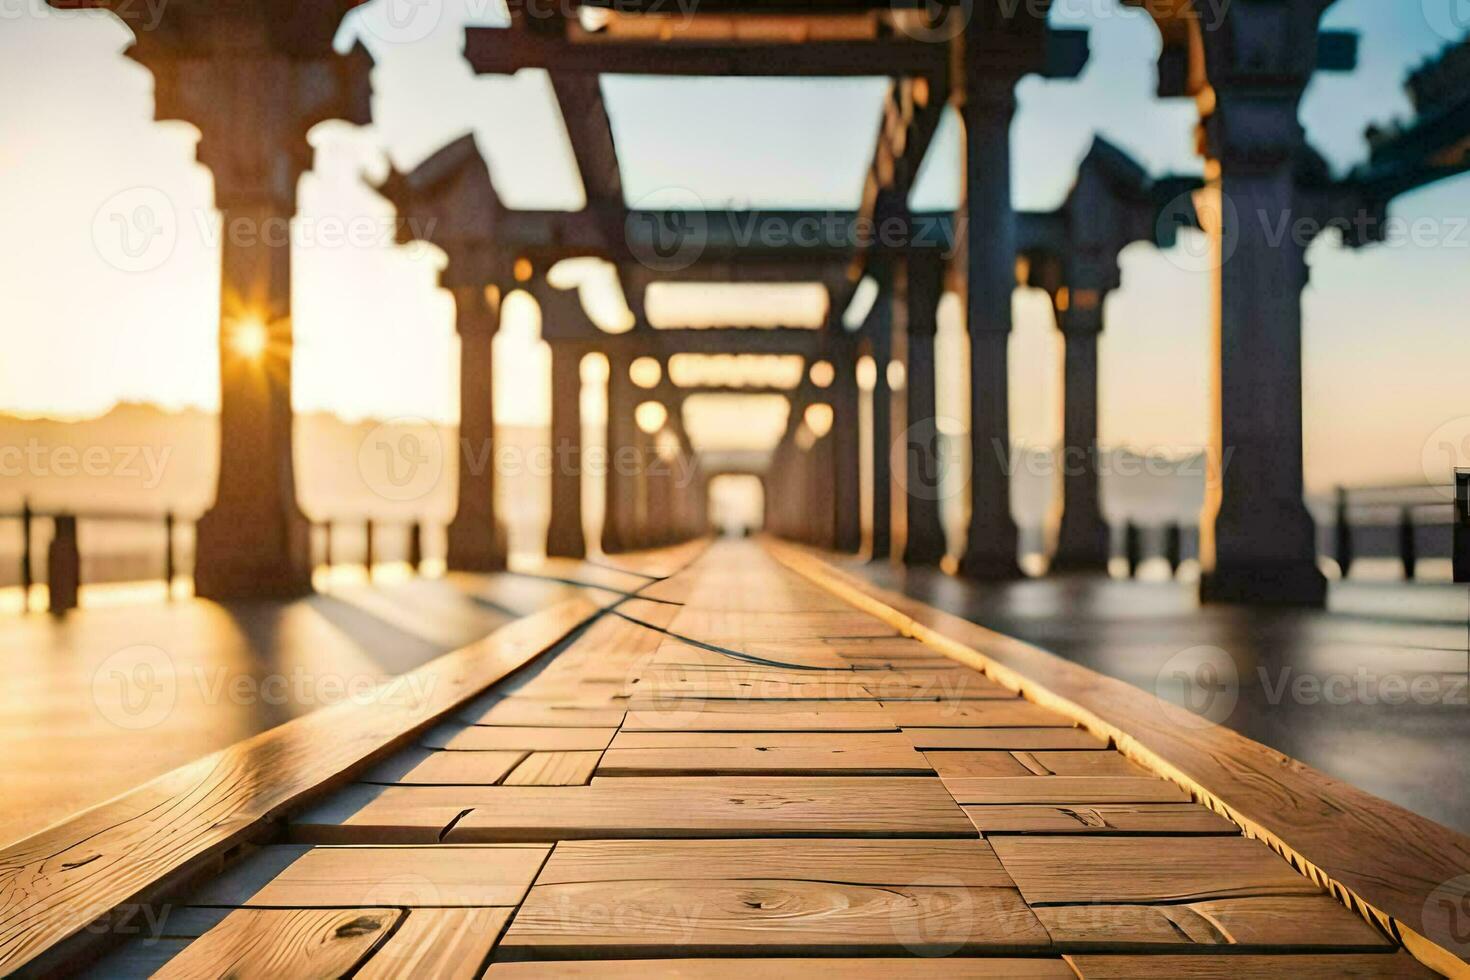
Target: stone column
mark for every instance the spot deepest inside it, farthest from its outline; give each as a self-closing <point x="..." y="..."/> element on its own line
<point x="254" y="540"/>
<point x="1258" y="543"/>
<point x="619" y="525"/>
<point x="476" y="542"/>
<point x="880" y="346"/>
<point x="990" y="551"/>
<point x="922" y="482"/>
<point x="564" y="537"/>
<point x="847" y="534"/>
<point x="1083" y="539"/>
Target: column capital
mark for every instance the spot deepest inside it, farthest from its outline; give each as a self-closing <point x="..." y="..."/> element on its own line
<point x="1079" y="310"/>
<point x="476" y="310"/>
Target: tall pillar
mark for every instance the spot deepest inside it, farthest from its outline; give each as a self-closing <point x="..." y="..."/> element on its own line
<point x="922" y="483"/>
<point x="847" y="533"/>
<point x="880" y="342"/>
<point x="989" y="104"/>
<point x="1258" y="543"/>
<point x="476" y="541"/>
<point x="621" y="511"/>
<point x="564" y="537"/>
<point x="1083" y="542"/>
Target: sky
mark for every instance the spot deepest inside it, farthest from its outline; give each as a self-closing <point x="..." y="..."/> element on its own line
<point x="85" y="326"/>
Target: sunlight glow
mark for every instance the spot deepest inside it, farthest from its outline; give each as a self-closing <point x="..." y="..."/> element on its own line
<point x="248" y="338"/>
<point x="650" y="417"/>
<point x="818" y="417"/>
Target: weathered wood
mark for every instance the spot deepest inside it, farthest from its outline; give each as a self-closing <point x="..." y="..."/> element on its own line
<point x="750" y="716"/>
<point x="434" y="767"/>
<point x="519" y="712"/>
<point x="1026" y="739"/>
<point x="1080" y="870"/>
<point x="296" y="944"/>
<point x="555" y="769"/>
<point x="1378" y="966"/>
<point x="1254" y="922"/>
<point x="446" y="944"/>
<point x="1063" y="789"/>
<point x="345" y="877"/>
<point x="512" y="739"/>
<point x="767" y="760"/>
<point x="1039" y="763"/>
<point x="1382" y="859"/>
<point x="52" y="884"/>
<point x="1100" y="818"/>
<point x="1014" y="713"/>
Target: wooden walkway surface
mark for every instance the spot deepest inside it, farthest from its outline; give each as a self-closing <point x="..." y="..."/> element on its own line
<point x="735" y="764"/>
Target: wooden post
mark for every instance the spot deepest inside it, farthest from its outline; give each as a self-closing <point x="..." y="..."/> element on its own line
<point x="26" y="568"/>
<point x="1174" y="547"/>
<point x="1462" y="525"/>
<point x="367" y="553"/>
<point x="327" y="546"/>
<point x="1408" y="548"/>
<point x="64" y="564"/>
<point x="1133" y="547"/>
<point x="416" y="545"/>
<point x="564" y="536"/>
<point x="923" y="467"/>
<point x="881" y="348"/>
<point x="1343" y="533"/>
<point x="168" y="554"/>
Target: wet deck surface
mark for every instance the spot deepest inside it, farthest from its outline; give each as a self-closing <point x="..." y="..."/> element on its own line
<point x="1372" y="691"/>
<point x="100" y="701"/>
<point x="736" y="764"/>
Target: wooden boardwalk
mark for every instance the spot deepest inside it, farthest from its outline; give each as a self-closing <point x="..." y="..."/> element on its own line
<point x="733" y="764"/>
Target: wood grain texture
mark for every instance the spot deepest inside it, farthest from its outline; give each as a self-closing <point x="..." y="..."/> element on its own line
<point x="282" y="944"/>
<point x="1100" y="818"/>
<point x="870" y="968"/>
<point x="937" y="863"/>
<point x="346" y="877"/>
<point x="432" y="767"/>
<point x="484" y="738"/>
<point x="1023" y="763"/>
<point x="1384" y="860"/>
<point x="1014" y="713"/>
<point x="111" y="856"/>
<point x="555" y="769"/>
<point x="531" y="714"/>
<point x="765" y="760"/>
<point x="1026" y="739"/>
<point x="1260" y="923"/>
<point x="725" y="807"/>
<point x="752" y="716"/>
<point x="445" y="944"/>
<point x="1081" y="870"/>
<point x="1378" y="966"/>
<point x="1063" y="789"/>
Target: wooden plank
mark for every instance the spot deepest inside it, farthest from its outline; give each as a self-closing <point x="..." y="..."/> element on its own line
<point x="446" y="944"/>
<point x="1253" y="923"/>
<point x="1014" y="713"/>
<point x="555" y="769"/>
<point x="1386" y="859"/>
<point x="1063" y="789"/>
<point x="854" y="741"/>
<point x="936" y="863"/>
<point x="869" y="968"/>
<point x="722" y="627"/>
<point x="750" y="716"/>
<point x="498" y="739"/>
<point x="1003" y="738"/>
<point x="768" y="916"/>
<point x="1084" y="763"/>
<point x="1122" y="870"/>
<point x="767" y="760"/>
<point x="1378" y="966"/>
<point x="531" y="714"/>
<point x="341" y="877"/>
<point x="283" y="943"/>
<point x="1100" y="818"/>
<point x="433" y="767"/>
<point x="675" y="806"/>
<point x="938" y="685"/>
<point x="54" y="883"/>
